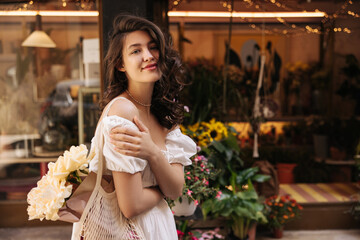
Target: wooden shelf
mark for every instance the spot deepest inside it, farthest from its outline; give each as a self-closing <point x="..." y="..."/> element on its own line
<point x="26" y="160"/>
<point x="335" y="162"/>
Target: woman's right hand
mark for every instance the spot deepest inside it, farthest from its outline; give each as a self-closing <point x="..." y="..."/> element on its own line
<point x="133" y="142"/>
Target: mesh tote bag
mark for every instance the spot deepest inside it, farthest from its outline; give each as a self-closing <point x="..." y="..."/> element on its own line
<point x="102" y="218"/>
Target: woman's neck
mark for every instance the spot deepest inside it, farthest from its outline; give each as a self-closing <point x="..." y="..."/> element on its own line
<point x="141" y="95"/>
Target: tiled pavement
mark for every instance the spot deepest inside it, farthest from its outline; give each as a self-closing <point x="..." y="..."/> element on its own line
<point x="64" y="232"/>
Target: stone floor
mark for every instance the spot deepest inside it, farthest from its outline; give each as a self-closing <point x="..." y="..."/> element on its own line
<point x="315" y="235"/>
<point x="64" y="232"/>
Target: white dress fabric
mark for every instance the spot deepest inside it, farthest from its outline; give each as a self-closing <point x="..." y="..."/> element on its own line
<point x="157" y="223"/>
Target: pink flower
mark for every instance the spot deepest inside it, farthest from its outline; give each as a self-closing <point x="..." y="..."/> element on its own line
<point x="196" y="178"/>
<point x="180" y="233"/>
<point x="196" y="202"/>
<point x="188" y="177"/>
<point x="189" y="192"/>
<point x="186" y="108"/>
<point x="206" y="182"/>
<point x="188" y="173"/>
<point x="218" y="195"/>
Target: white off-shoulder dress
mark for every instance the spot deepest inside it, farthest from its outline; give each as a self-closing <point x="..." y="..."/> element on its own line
<point x="157" y="223"/>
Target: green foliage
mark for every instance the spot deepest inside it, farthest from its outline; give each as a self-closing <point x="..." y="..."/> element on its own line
<point x="350" y="87"/>
<point x="240" y="203"/>
<point x="218" y="142"/>
<point x="202" y="95"/>
<point x="224" y="155"/>
<point x="197" y="176"/>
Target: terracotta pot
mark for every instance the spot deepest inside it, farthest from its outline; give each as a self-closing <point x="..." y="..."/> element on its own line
<point x="184" y="208"/>
<point x="278" y="232"/>
<point x="252" y="232"/>
<point x="285" y="172"/>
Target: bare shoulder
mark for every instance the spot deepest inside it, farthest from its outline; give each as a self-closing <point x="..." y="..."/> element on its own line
<point x="123" y="108"/>
<point x="173" y="128"/>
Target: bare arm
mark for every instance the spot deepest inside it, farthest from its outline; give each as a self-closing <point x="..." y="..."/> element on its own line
<point x="133" y="199"/>
<point x="170" y="177"/>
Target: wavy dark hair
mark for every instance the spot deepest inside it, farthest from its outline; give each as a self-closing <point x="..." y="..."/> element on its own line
<point x="165" y="98"/>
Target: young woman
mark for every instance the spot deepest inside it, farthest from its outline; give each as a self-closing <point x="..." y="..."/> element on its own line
<point x="143" y="147"/>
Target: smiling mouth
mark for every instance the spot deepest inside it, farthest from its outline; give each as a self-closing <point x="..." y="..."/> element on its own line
<point x="150" y="67"/>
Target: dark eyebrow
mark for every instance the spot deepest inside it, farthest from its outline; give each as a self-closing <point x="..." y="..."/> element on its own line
<point x="138" y="44"/>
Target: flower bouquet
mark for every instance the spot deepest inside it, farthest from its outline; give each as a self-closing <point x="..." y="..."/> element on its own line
<point x="57" y="186"/>
<point x="281" y="210"/>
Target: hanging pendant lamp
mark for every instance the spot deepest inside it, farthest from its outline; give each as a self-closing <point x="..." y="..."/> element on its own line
<point x="38" y="38"/>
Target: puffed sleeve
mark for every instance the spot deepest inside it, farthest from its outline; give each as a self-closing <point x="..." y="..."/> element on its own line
<point x="180" y="147"/>
<point x="116" y="161"/>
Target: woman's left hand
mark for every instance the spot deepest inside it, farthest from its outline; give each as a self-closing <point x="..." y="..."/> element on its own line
<point x="133" y="142"/>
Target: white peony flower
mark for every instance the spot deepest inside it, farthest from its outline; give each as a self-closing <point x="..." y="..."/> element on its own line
<point x="71" y="161"/>
<point x="47" y="198"/>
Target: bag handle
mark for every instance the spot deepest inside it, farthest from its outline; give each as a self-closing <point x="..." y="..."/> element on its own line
<point x="101" y="160"/>
<point x="101" y="156"/>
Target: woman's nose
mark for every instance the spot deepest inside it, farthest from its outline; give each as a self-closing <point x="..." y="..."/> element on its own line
<point x="148" y="56"/>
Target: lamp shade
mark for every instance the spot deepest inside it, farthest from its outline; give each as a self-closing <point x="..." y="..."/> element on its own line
<point x="38" y="39"/>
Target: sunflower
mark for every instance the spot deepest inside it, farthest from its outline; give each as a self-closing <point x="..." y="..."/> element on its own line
<point x="215" y="129"/>
<point x="204" y="139"/>
<point x="194" y="128"/>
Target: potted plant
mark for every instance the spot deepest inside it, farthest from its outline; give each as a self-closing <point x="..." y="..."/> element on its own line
<point x="239" y="203"/>
<point x="350" y="87"/>
<point x="196" y="188"/>
<point x="185" y="232"/>
<point x="279" y="211"/>
<point x="297" y="77"/>
<point x="202" y="94"/>
<point x="218" y="142"/>
<point x="319" y="127"/>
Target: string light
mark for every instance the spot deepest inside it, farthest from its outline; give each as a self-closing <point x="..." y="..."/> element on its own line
<point x="80" y="4"/>
<point x="351" y="13"/>
<point x="293" y="26"/>
<point x="175" y="4"/>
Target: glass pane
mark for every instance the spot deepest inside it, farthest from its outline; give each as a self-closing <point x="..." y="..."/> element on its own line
<point x="40" y="85"/>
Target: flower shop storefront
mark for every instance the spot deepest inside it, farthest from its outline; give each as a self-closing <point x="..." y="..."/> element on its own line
<point x="275" y="113"/>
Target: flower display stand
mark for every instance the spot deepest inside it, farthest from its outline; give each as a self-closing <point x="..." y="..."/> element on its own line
<point x="184" y="208"/>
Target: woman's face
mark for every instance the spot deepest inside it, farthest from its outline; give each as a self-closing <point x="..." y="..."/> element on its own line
<point x="140" y="58"/>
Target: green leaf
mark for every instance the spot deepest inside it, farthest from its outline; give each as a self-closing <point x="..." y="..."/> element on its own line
<point x="227" y="211"/>
<point x="231" y="141"/>
<point x="260" y="178"/>
<point x="246" y="174"/>
<point x="247" y="195"/>
<point x="242" y="212"/>
<point x="228" y="154"/>
<point x="218" y="146"/>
